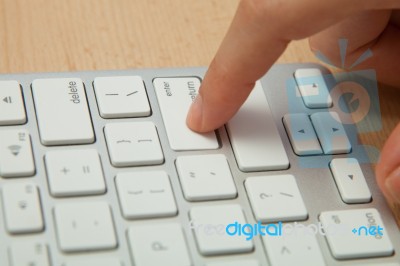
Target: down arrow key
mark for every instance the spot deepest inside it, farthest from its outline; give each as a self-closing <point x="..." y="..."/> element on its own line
<point x="350" y="180"/>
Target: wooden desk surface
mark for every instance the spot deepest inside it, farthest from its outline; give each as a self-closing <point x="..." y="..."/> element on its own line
<point x="45" y="35"/>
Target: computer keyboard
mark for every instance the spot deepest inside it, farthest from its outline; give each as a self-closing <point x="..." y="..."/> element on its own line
<point x="99" y="168"/>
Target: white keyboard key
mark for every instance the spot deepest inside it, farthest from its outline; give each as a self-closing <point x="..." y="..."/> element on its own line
<point x="22" y="208"/>
<point x="83" y="226"/>
<point x="235" y="263"/>
<point x="158" y="244"/>
<point x="123" y="96"/>
<point x="16" y="158"/>
<point x="275" y="198"/>
<point x="12" y="109"/>
<point x="348" y="243"/>
<point x="95" y="262"/>
<point x="62" y="111"/>
<point x="350" y="180"/>
<point x="331" y="133"/>
<point x="295" y="248"/>
<point x="175" y="95"/>
<point x="254" y="136"/>
<point x="145" y="194"/>
<point x="133" y="144"/>
<point x="313" y="88"/>
<point x="74" y="173"/>
<point x="209" y="224"/>
<point x="29" y="254"/>
<point x="301" y="134"/>
<point x="205" y="177"/>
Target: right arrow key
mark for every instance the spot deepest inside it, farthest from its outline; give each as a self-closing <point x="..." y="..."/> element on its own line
<point x="331" y="133"/>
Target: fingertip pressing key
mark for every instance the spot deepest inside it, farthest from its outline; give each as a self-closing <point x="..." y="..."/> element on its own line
<point x="194" y="119"/>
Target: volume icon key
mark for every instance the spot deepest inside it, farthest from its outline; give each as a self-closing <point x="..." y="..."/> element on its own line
<point x="7" y="99"/>
<point x="12" y="108"/>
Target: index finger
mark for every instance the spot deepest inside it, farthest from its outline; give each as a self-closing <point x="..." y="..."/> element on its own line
<point x="258" y="35"/>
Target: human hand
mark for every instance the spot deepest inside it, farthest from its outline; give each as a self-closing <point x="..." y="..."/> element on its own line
<point x="259" y="34"/>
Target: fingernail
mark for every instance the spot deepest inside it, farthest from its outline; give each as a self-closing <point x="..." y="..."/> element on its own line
<point x="392" y="184"/>
<point x="195" y="115"/>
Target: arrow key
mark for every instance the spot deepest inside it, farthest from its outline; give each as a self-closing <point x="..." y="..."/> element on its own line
<point x="331" y="133"/>
<point x="301" y="134"/>
<point x="350" y="180"/>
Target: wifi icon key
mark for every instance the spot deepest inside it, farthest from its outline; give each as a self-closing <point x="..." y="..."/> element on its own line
<point x="14" y="149"/>
<point x="16" y="157"/>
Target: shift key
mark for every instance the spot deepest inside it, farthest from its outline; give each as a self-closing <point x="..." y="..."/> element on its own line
<point x="175" y="95"/>
<point x="62" y="111"/>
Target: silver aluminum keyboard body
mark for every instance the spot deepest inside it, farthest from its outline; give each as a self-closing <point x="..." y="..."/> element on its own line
<point x="316" y="185"/>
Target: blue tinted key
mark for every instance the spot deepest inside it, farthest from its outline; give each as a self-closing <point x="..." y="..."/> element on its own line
<point x="301" y="134"/>
<point x="331" y="133"/>
<point x="313" y="88"/>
